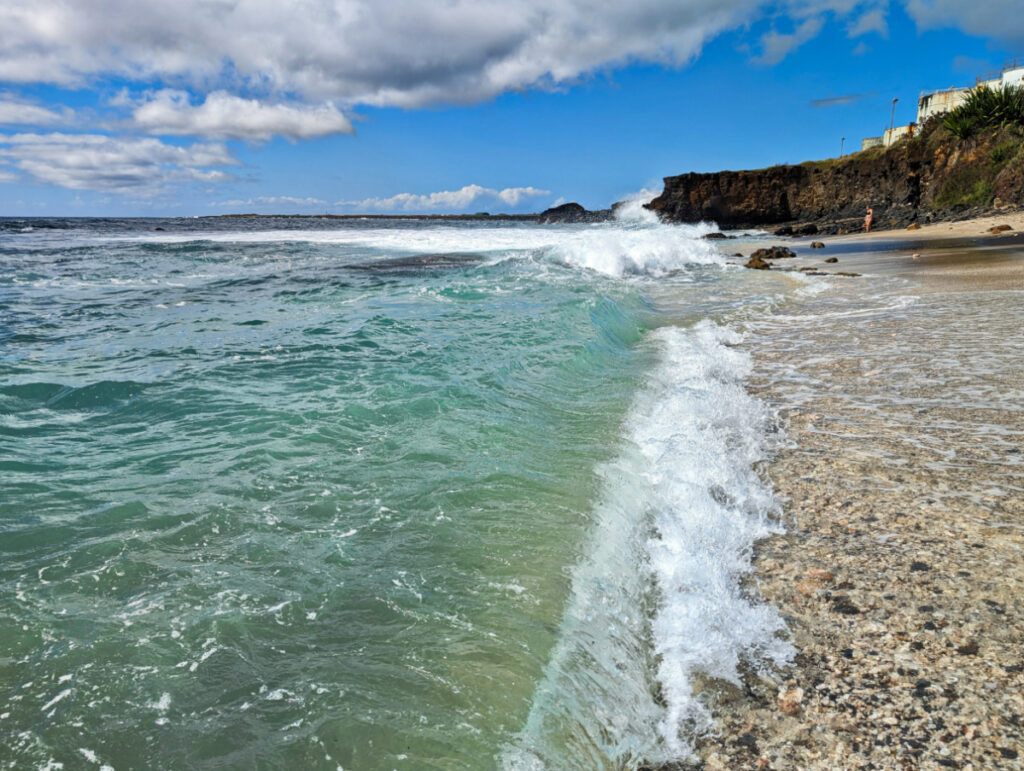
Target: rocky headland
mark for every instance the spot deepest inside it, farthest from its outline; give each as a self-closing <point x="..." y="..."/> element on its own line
<point x="934" y="176"/>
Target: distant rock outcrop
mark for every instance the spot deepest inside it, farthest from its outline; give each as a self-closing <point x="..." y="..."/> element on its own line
<point x="572" y="212"/>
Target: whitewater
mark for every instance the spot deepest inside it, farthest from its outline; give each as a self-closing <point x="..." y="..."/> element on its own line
<point x="370" y="494"/>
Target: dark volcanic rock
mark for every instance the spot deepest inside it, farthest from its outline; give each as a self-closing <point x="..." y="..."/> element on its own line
<point x="567" y="212"/>
<point x="715" y="236"/>
<point x="832" y="259"/>
<point x="757" y="263"/>
<point x="925" y="178"/>
<point x="774" y="253"/>
<point x="572" y="212"/>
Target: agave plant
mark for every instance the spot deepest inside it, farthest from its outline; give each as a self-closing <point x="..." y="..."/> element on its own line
<point x="960" y="124"/>
<point x="987" y="108"/>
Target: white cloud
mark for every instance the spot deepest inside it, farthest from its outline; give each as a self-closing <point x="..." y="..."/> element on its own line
<point x="447" y="200"/>
<point x="224" y="116"/>
<point x="335" y="54"/>
<point x="7" y="176"/>
<point x="999" y="19"/>
<point x="401" y="52"/>
<point x="870" y="21"/>
<point x="141" y="166"/>
<point x="776" y="45"/>
<point x="273" y="200"/>
<point x="16" y="112"/>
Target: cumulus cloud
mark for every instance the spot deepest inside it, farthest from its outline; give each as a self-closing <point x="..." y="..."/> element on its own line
<point x="447" y="200"/>
<point x="998" y="19"/>
<point x="776" y="45"/>
<point x="402" y="52"/>
<point x="406" y="53"/>
<point x="252" y="69"/>
<point x="870" y="21"/>
<point x="16" y="112"/>
<point x="141" y="166"/>
<point x="224" y="116"/>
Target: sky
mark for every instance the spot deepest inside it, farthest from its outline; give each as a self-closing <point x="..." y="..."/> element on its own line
<point x="204" y="107"/>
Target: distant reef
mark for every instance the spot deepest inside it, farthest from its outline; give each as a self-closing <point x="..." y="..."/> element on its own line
<point x="933" y="176"/>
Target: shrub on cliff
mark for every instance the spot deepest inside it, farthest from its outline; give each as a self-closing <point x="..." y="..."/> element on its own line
<point x="987" y="108"/>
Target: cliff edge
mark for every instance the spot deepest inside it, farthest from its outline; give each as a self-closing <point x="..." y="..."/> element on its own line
<point x="932" y="176"/>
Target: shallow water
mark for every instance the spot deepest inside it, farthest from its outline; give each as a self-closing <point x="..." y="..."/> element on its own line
<point x="369" y="495"/>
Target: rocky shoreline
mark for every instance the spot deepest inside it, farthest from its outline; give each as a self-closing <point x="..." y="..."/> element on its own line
<point x="900" y="575"/>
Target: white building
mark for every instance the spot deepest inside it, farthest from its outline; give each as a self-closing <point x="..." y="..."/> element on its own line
<point x="933" y="103"/>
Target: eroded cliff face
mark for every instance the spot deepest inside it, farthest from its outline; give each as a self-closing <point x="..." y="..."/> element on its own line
<point x="932" y="176"/>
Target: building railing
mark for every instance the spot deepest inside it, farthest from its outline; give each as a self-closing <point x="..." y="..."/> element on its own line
<point x="1008" y="66"/>
<point x="935" y="91"/>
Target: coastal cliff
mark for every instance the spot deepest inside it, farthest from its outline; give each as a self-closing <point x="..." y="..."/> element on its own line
<point x="932" y="176"/>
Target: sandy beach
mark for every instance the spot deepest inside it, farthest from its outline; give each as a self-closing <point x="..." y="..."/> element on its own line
<point x="901" y="480"/>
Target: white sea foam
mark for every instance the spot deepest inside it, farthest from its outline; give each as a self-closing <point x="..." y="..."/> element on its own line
<point x="635" y="243"/>
<point x="618" y="249"/>
<point x="659" y="588"/>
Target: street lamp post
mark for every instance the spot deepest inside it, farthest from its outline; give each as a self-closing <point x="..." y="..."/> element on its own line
<point x="841" y="143"/>
<point x="892" y="119"/>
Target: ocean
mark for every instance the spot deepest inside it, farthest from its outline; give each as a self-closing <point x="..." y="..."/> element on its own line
<point x="376" y="494"/>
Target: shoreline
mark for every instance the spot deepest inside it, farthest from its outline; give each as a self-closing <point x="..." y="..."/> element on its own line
<point x="937" y="257"/>
<point x="900" y="575"/>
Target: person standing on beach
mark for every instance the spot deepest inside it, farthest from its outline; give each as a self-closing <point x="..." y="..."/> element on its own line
<point x="867" y="219"/>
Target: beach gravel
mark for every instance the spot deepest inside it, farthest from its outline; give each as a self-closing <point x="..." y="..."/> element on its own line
<point x="901" y="573"/>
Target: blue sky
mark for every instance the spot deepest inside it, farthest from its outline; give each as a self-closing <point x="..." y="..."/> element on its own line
<point x="148" y="107"/>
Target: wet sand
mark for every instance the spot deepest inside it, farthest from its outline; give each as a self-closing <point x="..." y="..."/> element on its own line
<point x="901" y="574"/>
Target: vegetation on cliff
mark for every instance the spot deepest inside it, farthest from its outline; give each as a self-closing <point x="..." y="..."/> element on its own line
<point x="936" y="174"/>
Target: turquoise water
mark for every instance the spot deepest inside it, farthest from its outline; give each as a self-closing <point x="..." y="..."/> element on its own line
<point x="364" y="495"/>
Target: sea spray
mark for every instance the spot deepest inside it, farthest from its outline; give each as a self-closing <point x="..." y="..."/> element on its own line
<point x="657" y="599"/>
<point x="632" y="209"/>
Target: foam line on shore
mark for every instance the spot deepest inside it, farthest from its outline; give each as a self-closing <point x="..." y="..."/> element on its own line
<point x="656" y="600"/>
